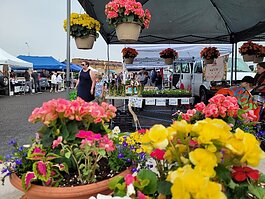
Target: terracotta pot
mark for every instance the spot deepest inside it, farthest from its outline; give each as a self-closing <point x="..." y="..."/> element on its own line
<point x="168" y="61"/>
<point x="80" y="192"/>
<point x="208" y="61"/>
<point x="248" y="57"/>
<point x="128" y="60"/>
<point x="258" y="59"/>
<point x="85" y="42"/>
<point x="128" y="32"/>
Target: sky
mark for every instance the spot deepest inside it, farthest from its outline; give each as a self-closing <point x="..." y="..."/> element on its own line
<point x="35" y="27"/>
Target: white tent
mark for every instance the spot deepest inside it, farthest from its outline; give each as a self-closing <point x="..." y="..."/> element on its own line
<point x="8" y="59"/>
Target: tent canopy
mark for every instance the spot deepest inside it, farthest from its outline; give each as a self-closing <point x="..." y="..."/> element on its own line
<point x="73" y="67"/>
<point x="190" y="21"/>
<point x="44" y="62"/>
<point x="8" y="59"/>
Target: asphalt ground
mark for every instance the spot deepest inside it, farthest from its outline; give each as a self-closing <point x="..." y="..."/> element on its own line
<point x="14" y="113"/>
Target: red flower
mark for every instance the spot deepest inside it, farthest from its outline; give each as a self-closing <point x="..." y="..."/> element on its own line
<point x="240" y="174"/>
<point x="209" y="53"/>
<point x="142" y="131"/>
<point x="158" y="154"/>
<point x="168" y="53"/>
<point x="129" y="52"/>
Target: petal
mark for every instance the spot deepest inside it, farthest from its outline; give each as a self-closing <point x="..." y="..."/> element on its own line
<point x="239" y="176"/>
<point x="254" y="175"/>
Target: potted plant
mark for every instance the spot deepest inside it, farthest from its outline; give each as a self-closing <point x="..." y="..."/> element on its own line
<point x="84" y="29"/>
<point x="168" y="55"/>
<point x="206" y="158"/>
<point x="128" y="18"/>
<point x="249" y="50"/>
<point x="209" y="54"/>
<point x="129" y="54"/>
<point x="74" y="154"/>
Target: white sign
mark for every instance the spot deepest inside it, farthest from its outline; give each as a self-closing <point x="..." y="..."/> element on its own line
<point x="160" y="102"/>
<point x="172" y="101"/>
<point x="150" y="101"/>
<point x="185" y="101"/>
<point x="217" y="70"/>
<point x="136" y="102"/>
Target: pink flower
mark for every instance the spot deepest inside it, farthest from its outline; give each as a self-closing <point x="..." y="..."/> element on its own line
<point x="107" y="144"/>
<point x="141" y="195"/>
<point x="57" y="142"/>
<point x="129" y="179"/>
<point x="200" y="106"/>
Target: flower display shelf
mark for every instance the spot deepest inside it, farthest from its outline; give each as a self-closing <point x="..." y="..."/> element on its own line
<point x="258" y="59"/>
<point x="208" y="61"/>
<point x="80" y="192"/>
<point x="248" y="58"/>
<point x="85" y="42"/>
<point x="128" y="60"/>
<point x="128" y="32"/>
<point x="168" y="61"/>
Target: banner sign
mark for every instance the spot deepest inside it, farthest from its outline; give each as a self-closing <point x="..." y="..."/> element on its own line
<point x="160" y="102"/>
<point x="172" y="101"/>
<point x="150" y="102"/>
<point x="136" y="102"/>
<point x="185" y="101"/>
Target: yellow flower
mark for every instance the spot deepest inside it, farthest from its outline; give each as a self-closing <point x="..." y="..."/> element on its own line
<point x="158" y="135"/>
<point x="182" y="127"/>
<point x="204" y="161"/>
<point x="210" y="191"/>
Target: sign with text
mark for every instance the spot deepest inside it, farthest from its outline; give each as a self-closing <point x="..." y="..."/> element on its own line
<point x="136" y="102"/>
<point x="185" y="101"/>
<point x="160" y="102"/>
<point x="216" y="71"/>
<point x="173" y="101"/>
<point x="150" y="102"/>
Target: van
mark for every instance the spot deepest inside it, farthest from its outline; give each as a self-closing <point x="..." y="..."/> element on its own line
<point x="190" y="74"/>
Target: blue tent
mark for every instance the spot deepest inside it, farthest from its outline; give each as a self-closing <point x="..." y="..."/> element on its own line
<point x="43" y="62"/>
<point x="74" y="67"/>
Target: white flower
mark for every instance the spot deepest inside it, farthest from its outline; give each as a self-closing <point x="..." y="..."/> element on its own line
<point x="130" y="190"/>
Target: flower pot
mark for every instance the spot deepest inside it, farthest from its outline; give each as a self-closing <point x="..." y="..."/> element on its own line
<point x="258" y="59"/>
<point x="85" y="42"/>
<point x="80" y="192"/>
<point x="248" y="57"/>
<point x="128" y="32"/>
<point x="168" y="61"/>
<point x="208" y="61"/>
<point x="128" y="60"/>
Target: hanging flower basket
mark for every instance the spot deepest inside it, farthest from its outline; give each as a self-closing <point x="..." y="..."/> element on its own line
<point x="128" y="18"/>
<point x="208" y="61"/>
<point x="85" y="42"/>
<point x="248" y="58"/>
<point x="168" y="61"/>
<point x="128" y="60"/>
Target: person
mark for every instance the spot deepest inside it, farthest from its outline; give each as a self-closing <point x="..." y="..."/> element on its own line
<point x="59" y="80"/>
<point x="86" y="83"/>
<point x="259" y="78"/>
<point x="53" y="82"/>
<point x="13" y="80"/>
<point x="147" y="80"/>
<point x="153" y="76"/>
<point x="99" y="89"/>
<point x="36" y="81"/>
<point x="158" y="81"/>
<point x="28" y="82"/>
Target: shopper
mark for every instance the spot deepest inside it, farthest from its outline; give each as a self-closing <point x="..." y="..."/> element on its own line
<point x="99" y="89"/>
<point x="28" y="82"/>
<point x="53" y="82"/>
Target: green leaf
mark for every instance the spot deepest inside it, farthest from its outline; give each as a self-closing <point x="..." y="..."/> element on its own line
<point x="223" y="173"/>
<point x="262" y="178"/>
<point x="151" y="176"/>
<point x="115" y="181"/>
<point x="259" y="192"/>
<point x="67" y="154"/>
<point x="232" y="184"/>
<point x="64" y="132"/>
<point x="164" y="188"/>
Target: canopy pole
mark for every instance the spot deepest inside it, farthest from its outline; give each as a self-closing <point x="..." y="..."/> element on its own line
<point x="68" y="50"/>
<point x="108" y="51"/>
<point x="232" y="67"/>
<point x="236" y="61"/>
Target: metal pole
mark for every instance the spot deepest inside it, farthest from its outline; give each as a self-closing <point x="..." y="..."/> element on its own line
<point x="68" y="50"/>
<point x="235" y="61"/>
<point x="232" y="67"/>
<point x="108" y="63"/>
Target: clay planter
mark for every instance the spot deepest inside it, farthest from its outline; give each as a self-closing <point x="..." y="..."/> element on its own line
<point x="80" y="192"/>
<point x="128" y="60"/>
<point x="258" y="59"/>
<point x="168" y="61"/>
<point x="85" y="42"/>
<point x="208" y="61"/>
<point x="248" y="57"/>
<point x="128" y="32"/>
